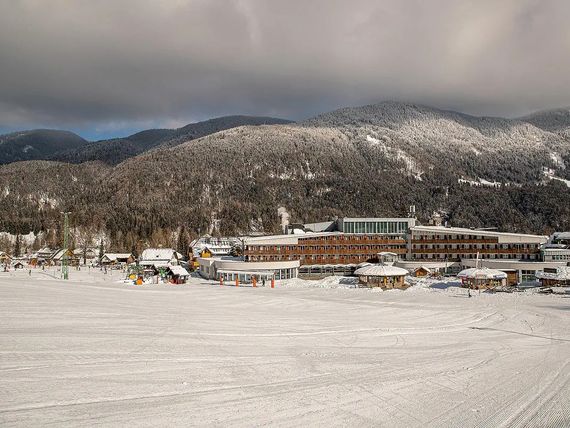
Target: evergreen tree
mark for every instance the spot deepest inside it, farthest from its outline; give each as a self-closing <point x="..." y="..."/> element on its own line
<point x="36" y="244"/>
<point x="101" y="250"/>
<point x="5" y="244"/>
<point x="18" y="245"/>
<point x="183" y="243"/>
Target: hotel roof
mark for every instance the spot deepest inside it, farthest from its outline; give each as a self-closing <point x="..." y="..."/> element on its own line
<point x="504" y="237"/>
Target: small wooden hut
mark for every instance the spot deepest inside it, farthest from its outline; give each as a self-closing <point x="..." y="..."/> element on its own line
<point x="554" y="277"/>
<point x="383" y="276"/>
<point x="177" y="274"/>
<point x="422" y="272"/>
<point x="482" y="278"/>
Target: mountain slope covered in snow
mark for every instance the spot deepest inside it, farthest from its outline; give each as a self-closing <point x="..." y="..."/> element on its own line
<point x="114" y="151"/>
<point x="368" y="161"/>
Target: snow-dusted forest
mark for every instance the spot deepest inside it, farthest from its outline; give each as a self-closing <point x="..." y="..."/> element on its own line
<point x="368" y="161"/>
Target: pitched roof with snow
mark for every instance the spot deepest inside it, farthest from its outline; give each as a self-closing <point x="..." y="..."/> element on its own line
<point x="115" y="256"/>
<point x="218" y="250"/>
<point x="158" y="254"/>
<point x="59" y="254"/>
<point x="178" y="270"/>
<point x="89" y="251"/>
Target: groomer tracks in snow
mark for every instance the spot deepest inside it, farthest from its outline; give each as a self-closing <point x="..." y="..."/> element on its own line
<point x="93" y="350"/>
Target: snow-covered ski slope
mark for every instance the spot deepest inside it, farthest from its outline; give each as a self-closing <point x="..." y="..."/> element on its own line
<point x="97" y="352"/>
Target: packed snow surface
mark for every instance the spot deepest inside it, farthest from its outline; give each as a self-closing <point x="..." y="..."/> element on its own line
<point x="97" y="351"/>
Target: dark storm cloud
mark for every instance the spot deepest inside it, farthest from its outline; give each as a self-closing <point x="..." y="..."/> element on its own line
<point x="106" y="64"/>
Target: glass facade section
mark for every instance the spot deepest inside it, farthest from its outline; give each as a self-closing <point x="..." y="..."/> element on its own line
<point x="373" y="227"/>
<point x="246" y="278"/>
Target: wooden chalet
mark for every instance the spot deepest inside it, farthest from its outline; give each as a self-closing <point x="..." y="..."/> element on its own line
<point x="117" y="259"/>
<point x="57" y="257"/>
<point x="422" y="272"/>
<point x="177" y="274"/>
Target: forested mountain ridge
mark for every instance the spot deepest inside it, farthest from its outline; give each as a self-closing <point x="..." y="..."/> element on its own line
<point x="113" y="152"/>
<point x="555" y="120"/>
<point x="369" y="161"/>
<point x="36" y="144"/>
<point x="207" y="127"/>
<point x="65" y="146"/>
<point x="429" y="139"/>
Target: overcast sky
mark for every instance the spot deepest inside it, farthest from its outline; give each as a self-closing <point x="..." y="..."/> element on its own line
<point x="107" y="68"/>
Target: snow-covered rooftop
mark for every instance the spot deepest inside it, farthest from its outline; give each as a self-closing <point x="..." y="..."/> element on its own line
<point x="504" y="236"/>
<point x="380" y="270"/>
<point x="178" y="270"/>
<point x="562" y="274"/>
<point x="482" y="273"/>
<point x="114" y="256"/>
<point x="286" y="239"/>
<point x="58" y="254"/>
<point x="156" y="254"/>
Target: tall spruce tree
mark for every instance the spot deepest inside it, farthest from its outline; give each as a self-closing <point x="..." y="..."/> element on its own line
<point x="18" y="245"/>
<point x="101" y="250"/>
<point x="183" y="242"/>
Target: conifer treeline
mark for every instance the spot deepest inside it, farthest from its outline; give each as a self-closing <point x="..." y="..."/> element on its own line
<point x="372" y="161"/>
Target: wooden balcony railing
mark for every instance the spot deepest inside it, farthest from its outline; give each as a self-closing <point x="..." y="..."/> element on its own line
<point x="368" y="251"/>
<point x="475" y="250"/>
<point x="320" y="248"/>
<point x="455" y="241"/>
<point x="313" y="241"/>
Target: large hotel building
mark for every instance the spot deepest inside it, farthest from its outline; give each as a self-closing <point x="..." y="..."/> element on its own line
<point x="340" y="246"/>
<point x="357" y="241"/>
